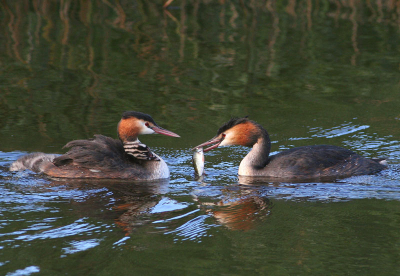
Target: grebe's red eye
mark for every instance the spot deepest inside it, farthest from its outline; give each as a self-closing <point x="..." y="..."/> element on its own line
<point x="223" y="135"/>
<point x="147" y="124"/>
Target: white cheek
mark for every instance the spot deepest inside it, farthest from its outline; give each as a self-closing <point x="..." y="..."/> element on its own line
<point x="223" y="143"/>
<point x="227" y="141"/>
<point x="146" y="130"/>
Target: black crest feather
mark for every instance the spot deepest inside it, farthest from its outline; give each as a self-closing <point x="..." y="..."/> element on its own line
<point x="138" y="115"/>
<point x="231" y="123"/>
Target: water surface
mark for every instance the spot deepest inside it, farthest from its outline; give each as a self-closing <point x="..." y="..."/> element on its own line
<point x="310" y="72"/>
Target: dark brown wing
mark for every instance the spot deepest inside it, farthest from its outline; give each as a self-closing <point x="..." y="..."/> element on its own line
<point x="100" y="152"/>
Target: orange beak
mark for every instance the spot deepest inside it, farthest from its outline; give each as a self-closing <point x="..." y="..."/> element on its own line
<point x="163" y="131"/>
<point x="216" y="141"/>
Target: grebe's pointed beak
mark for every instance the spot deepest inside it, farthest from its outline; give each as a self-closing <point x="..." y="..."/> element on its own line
<point x="163" y="131"/>
<point x="216" y="141"/>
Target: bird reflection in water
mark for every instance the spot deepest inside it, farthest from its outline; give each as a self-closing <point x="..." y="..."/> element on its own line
<point x="126" y="203"/>
<point x="238" y="208"/>
<point x="131" y="205"/>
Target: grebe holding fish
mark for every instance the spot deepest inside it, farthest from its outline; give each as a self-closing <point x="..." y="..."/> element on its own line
<point x="301" y="163"/>
<point x="198" y="161"/>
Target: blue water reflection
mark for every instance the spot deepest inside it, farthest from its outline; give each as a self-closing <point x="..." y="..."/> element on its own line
<point x="78" y="227"/>
<point x="26" y="271"/>
<point x="194" y="229"/>
<point x="311" y="72"/>
<point x="341" y="130"/>
<point x="77" y="246"/>
<point x="79" y="216"/>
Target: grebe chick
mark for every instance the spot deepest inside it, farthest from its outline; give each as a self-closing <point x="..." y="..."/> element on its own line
<point x="105" y="157"/>
<point x="301" y="163"/>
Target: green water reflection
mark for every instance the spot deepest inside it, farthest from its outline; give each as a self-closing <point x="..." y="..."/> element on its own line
<point x="311" y="72"/>
<point x="70" y="68"/>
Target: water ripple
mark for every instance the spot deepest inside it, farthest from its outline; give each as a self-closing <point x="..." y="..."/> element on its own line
<point x="26" y="271"/>
<point x="193" y="229"/>
<point x="78" y="246"/>
<point x="76" y="228"/>
<point x="341" y="130"/>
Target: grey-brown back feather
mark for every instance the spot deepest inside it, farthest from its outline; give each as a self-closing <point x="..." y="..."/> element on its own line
<point x="32" y="161"/>
<point x="101" y="151"/>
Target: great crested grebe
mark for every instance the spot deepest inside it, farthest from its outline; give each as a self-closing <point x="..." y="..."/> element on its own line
<point x="105" y="157"/>
<point x="307" y="162"/>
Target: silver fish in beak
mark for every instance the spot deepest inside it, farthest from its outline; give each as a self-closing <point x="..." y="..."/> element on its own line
<point x="198" y="161"/>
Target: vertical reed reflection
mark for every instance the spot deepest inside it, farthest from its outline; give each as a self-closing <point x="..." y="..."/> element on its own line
<point x="271" y="6"/>
<point x="64" y="8"/>
<point x="291" y="10"/>
<point x="182" y="31"/>
<point x="250" y="45"/>
<point x="222" y="21"/>
<point x="115" y="14"/>
<point x="398" y="13"/>
<point x="309" y="14"/>
<point x="14" y="26"/>
<point x="221" y="48"/>
<point x="354" y="32"/>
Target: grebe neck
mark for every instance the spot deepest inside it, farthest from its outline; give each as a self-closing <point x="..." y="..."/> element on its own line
<point x="130" y="146"/>
<point x="258" y="157"/>
<point x="132" y="141"/>
<point x="139" y="151"/>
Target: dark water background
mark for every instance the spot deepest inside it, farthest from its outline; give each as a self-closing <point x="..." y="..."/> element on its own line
<point x="311" y="72"/>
